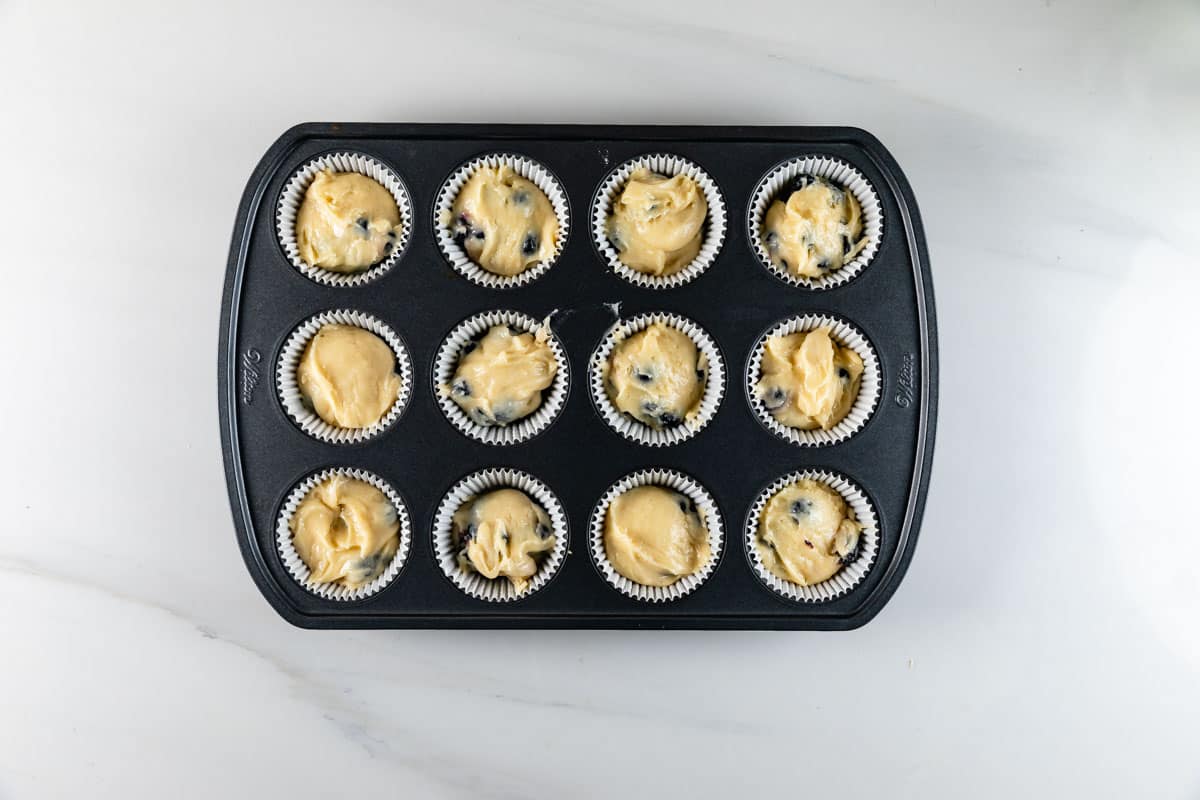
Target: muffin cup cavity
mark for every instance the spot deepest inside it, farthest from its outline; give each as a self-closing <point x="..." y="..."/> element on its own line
<point x="844" y="175"/>
<point x="292" y="198"/>
<point x="497" y="590"/>
<point x="714" y="224"/>
<point x="443" y="214"/>
<point x="289" y="387"/>
<point x="844" y="335"/>
<point x="668" y="479"/>
<point x="300" y="572"/>
<point x="640" y="432"/>
<point x="848" y="576"/>
<point x="452" y="350"/>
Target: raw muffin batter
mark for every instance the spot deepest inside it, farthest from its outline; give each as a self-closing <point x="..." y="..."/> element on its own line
<point x="657" y="376"/>
<point x="808" y="380"/>
<point x="500" y="534"/>
<point x="655" y="536"/>
<point x="348" y="376"/>
<point x="807" y="533"/>
<point x="816" y="230"/>
<point x="345" y="530"/>
<point x="347" y="222"/>
<point x="501" y="378"/>
<point x="657" y="223"/>
<point x="504" y="222"/>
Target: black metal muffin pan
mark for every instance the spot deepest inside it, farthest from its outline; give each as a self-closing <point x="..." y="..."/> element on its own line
<point x="422" y="298"/>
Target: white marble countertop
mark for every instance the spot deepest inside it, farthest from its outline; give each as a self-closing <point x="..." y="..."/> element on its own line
<point x="1046" y="639"/>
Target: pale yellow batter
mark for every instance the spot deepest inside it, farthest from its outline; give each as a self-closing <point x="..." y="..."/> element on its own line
<point x="655" y="536"/>
<point x="502" y="378"/>
<point x="348" y="376"/>
<point x="808" y="380"/>
<point x="346" y="222"/>
<point x="657" y="223"/>
<point x="813" y="228"/>
<point x="807" y="533"/>
<point x="345" y="530"/>
<point x="502" y="534"/>
<point x="657" y="376"/>
<point x="504" y="222"/>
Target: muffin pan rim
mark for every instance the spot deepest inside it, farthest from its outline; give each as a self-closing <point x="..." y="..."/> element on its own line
<point x="889" y="179"/>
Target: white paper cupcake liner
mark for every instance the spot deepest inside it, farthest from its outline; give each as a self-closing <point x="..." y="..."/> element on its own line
<point x="848" y="576"/>
<point x="669" y="479"/>
<point x="443" y="217"/>
<point x="292" y="198"/>
<point x="714" y="225"/>
<point x="295" y="565"/>
<point x="289" y="387"/>
<point x="844" y="335"/>
<point x="843" y="175"/>
<point x="450" y="353"/>
<point x="497" y="590"/>
<point x="639" y="432"/>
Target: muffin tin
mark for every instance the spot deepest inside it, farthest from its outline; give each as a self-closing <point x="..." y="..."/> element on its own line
<point x="578" y="456"/>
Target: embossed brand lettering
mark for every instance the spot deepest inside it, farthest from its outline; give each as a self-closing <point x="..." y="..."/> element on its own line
<point x="906" y="384"/>
<point x="250" y="374"/>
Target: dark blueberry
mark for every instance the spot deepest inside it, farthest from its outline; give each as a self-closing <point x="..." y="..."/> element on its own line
<point x="700" y="375"/>
<point x="464" y="220"/>
<point x="686" y="505"/>
<point x="482" y="417"/>
<point x="461" y="388"/>
<point x="801" y="507"/>
<point x="824" y="263"/>
<point x="514" y="330"/>
<point x="783" y="263"/>
<point x="617" y="244"/>
<point x="467" y="535"/>
<point x="504" y="536"/>
<point x="847" y="245"/>
<point x="469" y="346"/>
<point x="849" y="557"/>
<point x="363" y="223"/>
<point x="478" y="234"/>
<point x="772" y="240"/>
<point x="367" y="567"/>
<point x="502" y="416"/>
<point x="843" y="374"/>
<point x="530" y="245"/>
<point x="392" y="235"/>
<point x="669" y="420"/>
<point x="645" y="376"/>
<point x="799" y="182"/>
<point x="653" y="207"/>
<point x="543" y="531"/>
<point x="460" y="237"/>
<point x="774" y="398"/>
<point x="809" y="544"/>
<point x="836" y="196"/>
<point x="520" y="197"/>
<point x="650" y="407"/>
